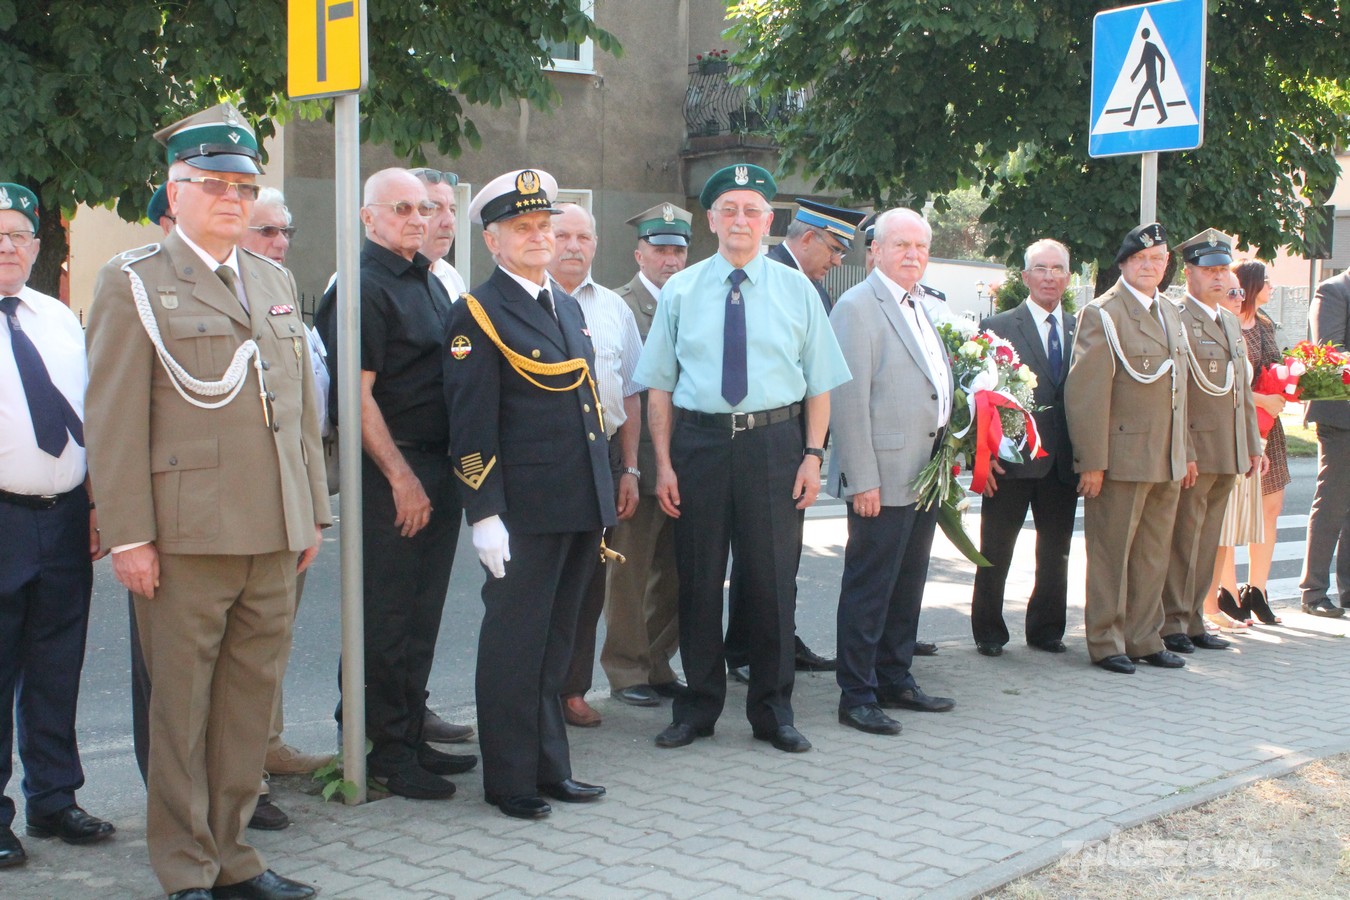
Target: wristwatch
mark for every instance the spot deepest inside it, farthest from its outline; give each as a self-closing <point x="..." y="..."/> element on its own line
<point x="630" y="470"/>
<point x="817" y="452"/>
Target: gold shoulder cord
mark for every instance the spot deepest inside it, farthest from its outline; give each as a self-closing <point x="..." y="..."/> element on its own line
<point x="525" y="367"/>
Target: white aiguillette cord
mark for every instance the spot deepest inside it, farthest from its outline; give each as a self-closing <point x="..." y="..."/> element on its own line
<point x="229" y="385"/>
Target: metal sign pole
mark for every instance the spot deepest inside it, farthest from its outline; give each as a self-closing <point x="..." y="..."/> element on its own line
<point x="346" y="117"/>
<point x="1148" y="188"/>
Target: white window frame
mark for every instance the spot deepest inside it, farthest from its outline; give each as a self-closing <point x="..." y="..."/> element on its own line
<point x="584" y="64"/>
<point x="580" y="196"/>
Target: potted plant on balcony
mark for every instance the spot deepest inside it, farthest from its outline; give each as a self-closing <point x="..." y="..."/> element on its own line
<point x="714" y="62"/>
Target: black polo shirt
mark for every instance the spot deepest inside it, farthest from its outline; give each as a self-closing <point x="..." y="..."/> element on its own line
<point x="404" y="310"/>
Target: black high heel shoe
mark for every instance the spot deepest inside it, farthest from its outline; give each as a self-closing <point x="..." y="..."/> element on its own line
<point x="1254" y="601"/>
<point x="1232" y="608"/>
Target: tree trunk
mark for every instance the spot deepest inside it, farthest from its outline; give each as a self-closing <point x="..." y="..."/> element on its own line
<point x="51" y="261"/>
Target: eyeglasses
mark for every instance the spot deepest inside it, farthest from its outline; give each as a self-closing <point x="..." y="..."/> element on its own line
<point x="1237" y="292"/>
<point x="219" y="187"/>
<point x="1057" y="271"/>
<point x="753" y="213"/>
<point x="403" y="209"/>
<point x="434" y="176"/>
<point x="20" y="239"/>
<point x="837" y="250"/>
<point x="271" y="231"/>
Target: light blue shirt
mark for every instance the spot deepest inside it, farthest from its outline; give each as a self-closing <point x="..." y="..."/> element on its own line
<point x="791" y="351"/>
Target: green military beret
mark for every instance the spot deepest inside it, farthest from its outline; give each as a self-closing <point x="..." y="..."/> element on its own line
<point x="158" y="207"/>
<point x="742" y="177"/>
<point x="20" y="199"/>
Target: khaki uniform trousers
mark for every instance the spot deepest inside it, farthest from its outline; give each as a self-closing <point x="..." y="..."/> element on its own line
<point x="1195" y="544"/>
<point x="212" y="637"/>
<point x="642" y="627"/>
<point x="1128" y="528"/>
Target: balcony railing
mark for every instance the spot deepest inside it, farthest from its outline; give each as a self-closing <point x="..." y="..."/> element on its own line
<point x="714" y="106"/>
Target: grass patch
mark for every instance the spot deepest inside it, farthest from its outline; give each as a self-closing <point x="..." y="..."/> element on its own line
<point x="1300" y="440"/>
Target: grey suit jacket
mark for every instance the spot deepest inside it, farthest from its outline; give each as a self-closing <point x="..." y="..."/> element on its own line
<point x="1329" y="320"/>
<point x="884" y="421"/>
<point x="1018" y="327"/>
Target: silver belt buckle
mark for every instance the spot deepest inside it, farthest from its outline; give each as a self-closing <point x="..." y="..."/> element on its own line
<point x="748" y="418"/>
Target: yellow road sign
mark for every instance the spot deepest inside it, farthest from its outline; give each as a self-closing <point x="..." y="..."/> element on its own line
<point x="326" y="48"/>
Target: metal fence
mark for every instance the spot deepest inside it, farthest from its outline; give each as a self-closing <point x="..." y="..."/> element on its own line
<point x="714" y="106"/>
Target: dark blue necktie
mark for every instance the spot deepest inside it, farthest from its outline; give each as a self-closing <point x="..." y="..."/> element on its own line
<point x="51" y="413"/>
<point x="734" y="379"/>
<point x="1055" y="351"/>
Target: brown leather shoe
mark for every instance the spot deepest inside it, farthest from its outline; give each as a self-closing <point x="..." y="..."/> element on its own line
<point x="286" y="760"/>
<point x="576" y="711"/>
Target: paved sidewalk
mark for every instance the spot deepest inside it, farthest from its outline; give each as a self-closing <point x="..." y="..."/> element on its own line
<point x="1041" y="752"/>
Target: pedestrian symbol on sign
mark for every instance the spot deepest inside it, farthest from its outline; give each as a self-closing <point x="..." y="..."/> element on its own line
<point x="1147" y="92"/>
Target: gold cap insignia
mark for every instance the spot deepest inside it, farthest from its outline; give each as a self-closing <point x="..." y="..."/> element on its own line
<point x="527" y="182"/>
<point x="742" y="175"/>
<point x="460" y="346"/>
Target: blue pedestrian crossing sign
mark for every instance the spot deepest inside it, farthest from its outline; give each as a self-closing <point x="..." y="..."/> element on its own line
<point x="1148" y="78"/>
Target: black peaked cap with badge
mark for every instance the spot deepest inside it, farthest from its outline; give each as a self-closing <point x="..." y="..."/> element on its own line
<point x="838" y="221"/>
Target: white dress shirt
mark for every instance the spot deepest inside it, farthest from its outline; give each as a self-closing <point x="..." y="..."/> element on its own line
<point x="450" y="277"/>
<point x="1042" y="318"/>
<point x="935" y="352"/>
<point x="25" y="468"/>
<point x="617" y="343"/>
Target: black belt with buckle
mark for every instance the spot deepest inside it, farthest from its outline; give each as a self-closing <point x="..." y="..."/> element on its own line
<point x="741" y="421"/>
<point x="438" y="448"/>
<point x="32" y="501"/>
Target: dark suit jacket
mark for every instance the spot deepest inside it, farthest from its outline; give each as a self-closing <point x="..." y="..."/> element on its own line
<point x="1018" y="327"/>
<point x="779" y="253"/>
<point x="1329" y="320"/>
<point x="536" y="457"/>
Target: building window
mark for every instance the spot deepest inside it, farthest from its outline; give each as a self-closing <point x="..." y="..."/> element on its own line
<point x="569" y="56"/>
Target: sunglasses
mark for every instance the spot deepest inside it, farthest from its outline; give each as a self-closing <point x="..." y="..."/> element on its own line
<point x="271" y="231"/>
<point x="1237" y="292"/>
<point x="403" y="209"/>
<point x="219" y="187"/>
<point x="435" y="176"/>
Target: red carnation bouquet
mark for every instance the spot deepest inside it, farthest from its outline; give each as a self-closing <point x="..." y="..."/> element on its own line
<point x="991" y="418"/>
<point x="1309" y="372"/>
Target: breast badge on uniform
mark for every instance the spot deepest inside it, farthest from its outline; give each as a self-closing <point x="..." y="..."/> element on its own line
<point x="282" y="309"/>
<point x="471" y="470"/>
<point x="460" y="347"/>
<point x="168" y="296"/>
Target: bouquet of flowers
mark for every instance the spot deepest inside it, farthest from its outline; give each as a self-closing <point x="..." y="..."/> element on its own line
<point x="1309" y="372"/>
<point x="991" y="417"/>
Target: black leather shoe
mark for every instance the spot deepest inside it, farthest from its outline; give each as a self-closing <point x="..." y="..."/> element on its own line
<point x="671" y="689"/>
<point x="412" y="781"/>
<point x="678" y="734"/>
<point x="868" y="718"/>
<point x="807" y="661"/>
<point x="1324" y="608"/>
<point x="989" y="648"/>
<point x="637" y="695"/>
<point x="914" y="699"/>
<point x="1055" y="645"/>
<point x="191" y="894"/>
<point x="1210" y="642"/>
<point x="521" y="807"/>
<point x="569" y="791"/>
<point x="268" y="816"/>
<point x="1163" y="659"/>
<point x="739" y="673"/>
<point x="11" y="851"/>
<point x="439" y="731"/>
<point x="1119" y="663"/>
<point x="438" y="763"/>
<point x="1179" y="643"/>
<point x="267" y="886"/>
<point x="924" y="648"/>
<point x="785" y="738"/>
<point x="72" y="825"/>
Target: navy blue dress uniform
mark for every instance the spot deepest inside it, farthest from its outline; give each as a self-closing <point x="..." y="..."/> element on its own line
<point x="45" y="570"/>
<point x="528" y="447"/>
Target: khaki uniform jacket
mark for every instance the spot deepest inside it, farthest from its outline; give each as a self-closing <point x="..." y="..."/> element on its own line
<point x="1223" y="429"/>
<point x="643" y="305"/>
<point x="194" y="480"/>
<point x="1136" y="432"/>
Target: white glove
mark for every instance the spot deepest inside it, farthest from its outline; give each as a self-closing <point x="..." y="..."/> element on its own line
<point x="493" y="544"/>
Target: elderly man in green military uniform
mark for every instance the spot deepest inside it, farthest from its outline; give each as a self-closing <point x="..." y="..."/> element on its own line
<point x="201" y="416"/>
